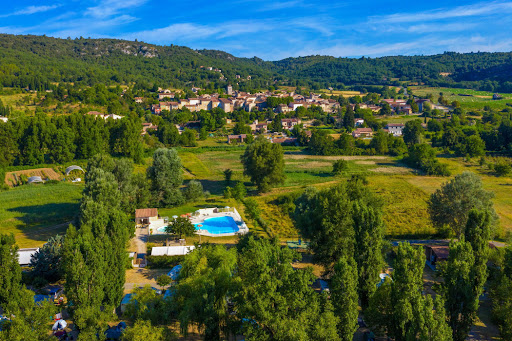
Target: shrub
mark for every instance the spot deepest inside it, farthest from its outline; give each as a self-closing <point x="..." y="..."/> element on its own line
<point x="339" y="167"/>
<point x="502" y="168"/>
<point x="163" y="262"/>
<point x="193" y="191"/>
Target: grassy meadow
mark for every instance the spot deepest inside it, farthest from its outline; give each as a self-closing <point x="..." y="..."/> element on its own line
<point x="33" y="213"/>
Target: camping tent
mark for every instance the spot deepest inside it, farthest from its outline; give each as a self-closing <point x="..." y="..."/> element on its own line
<point x="33" y="179"/>
<point x="72" y="168"/>
<point x="60" y="324"/>
<point x="175" y="272"/>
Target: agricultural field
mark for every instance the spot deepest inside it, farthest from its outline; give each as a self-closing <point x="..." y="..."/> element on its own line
<point x="33" y="213"/>
<point x="475" y="99"/>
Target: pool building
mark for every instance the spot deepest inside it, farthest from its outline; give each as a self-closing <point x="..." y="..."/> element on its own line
<point x="215" y="222"/>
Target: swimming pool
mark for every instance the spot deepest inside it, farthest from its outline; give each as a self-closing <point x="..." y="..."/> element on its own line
<point x="215" y="225"/>
<point x="218" y="225"/>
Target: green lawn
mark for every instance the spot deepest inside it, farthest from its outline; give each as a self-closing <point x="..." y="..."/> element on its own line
<point x="33" y="213"/>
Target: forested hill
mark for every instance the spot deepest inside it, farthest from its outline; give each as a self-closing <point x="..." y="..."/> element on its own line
<point x="38" y="61"/>
<point x="485" y="71"/>
<point x="34" y="61"/>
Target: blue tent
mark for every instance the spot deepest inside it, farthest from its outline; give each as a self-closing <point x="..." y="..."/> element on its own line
<point x="175" y="272"/>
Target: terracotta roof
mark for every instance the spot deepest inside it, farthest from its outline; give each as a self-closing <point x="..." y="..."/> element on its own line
<point x="363" y="130"/>
<point x="146" y="212"/>
<point x="441" y="252"/>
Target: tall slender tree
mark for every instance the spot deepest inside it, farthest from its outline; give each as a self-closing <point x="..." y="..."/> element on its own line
<point x="344" y="297"/>
<point x="462" y="296"/>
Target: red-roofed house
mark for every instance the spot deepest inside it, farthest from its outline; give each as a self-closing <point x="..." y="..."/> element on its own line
<point x="362" y="132"/>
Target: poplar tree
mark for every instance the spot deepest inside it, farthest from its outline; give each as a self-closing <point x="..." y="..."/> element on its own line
<point x="344" y="297"/>
<point x="398" y="307"/>
<point x="10" y="272"/>
<point x="369" y="231"/>
<point x="275" y="301"/>
<point x="462" y="295"/>
<point x="166" y="176"/>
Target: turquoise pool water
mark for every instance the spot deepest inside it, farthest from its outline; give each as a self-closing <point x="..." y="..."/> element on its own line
<point x="219" y="225"/>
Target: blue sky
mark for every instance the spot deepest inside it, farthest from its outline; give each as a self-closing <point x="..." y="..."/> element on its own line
<point x="274" y="30"/>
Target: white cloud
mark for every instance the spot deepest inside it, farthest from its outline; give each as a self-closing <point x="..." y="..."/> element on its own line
<point x="30" y="10"/>
<point x="277" y="5"/>
<point x="479" y="9"/>
<point x="108" y="8"/>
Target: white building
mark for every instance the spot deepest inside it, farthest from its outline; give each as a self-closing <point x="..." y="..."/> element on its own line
<point x="395" y="128"/>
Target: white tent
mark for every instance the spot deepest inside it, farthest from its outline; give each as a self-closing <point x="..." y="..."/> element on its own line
<point x="72" y="168"/>
<point x="60" y="324"/>
<point x="171" y="250"/>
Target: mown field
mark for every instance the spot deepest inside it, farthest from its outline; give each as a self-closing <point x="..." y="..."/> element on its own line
<point x="477" y="100"/>
<point x="33" y="213"/>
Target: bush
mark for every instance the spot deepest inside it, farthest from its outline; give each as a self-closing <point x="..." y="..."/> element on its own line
<point x="502" y="168"/>
<point x="339" y="167"/>
<point x="193" y="191"/>
<point x="163" y="262"/>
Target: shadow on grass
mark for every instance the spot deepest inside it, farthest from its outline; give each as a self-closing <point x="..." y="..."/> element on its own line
<point x="216" y="187"/>
<point x="39" y="222"/>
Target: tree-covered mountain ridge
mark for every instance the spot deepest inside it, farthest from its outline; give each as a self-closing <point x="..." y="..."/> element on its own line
<point x="24" y="58"/>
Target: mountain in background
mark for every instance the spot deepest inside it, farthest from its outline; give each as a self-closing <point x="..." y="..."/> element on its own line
<point x="38" y="62"/>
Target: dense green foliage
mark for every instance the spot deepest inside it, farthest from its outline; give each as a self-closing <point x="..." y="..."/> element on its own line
<point x="166" y="176"/>
<point x="450" y="205"/>
<point x="43" y="139"/>
<point x="47" y="261"/>
<point x="400" y="309"/>
<point x="263" y="162"/>
<point x="344" y="297"/>
<point x="181" y="227"/>
<point x="95" y="254"/>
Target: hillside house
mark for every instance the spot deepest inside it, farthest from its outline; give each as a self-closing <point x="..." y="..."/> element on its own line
<point x="226" y="104"/>
<point x="358" y="122"/>
<point x="395" y="128"/>
<point x="404" y="109"/>
<point x="237" y="138"/>
<point x="289" y="123"/>
<point x="362" y="132"/>
<point x="144" y="216"/>
<point x="164" y="95"/>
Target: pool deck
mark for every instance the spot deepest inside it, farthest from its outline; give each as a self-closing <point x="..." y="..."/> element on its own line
<point x="199" y="216"/>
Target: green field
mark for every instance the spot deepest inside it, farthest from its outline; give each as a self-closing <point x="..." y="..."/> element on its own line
<point x="33" y="213"/>
<point x="477" y="100"/>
